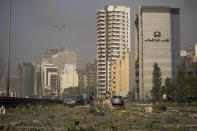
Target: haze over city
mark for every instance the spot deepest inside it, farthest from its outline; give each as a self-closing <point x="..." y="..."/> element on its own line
<point x="32" y="27"/>
<point x="98" y="65"/>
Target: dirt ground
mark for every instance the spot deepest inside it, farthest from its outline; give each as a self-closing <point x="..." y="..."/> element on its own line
<point x="133" y="116"/>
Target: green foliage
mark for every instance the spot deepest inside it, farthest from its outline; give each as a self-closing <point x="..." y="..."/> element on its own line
<point x="185" y="85"/>
<point x="180" y="82"/>
<point x="156" y="89"/>
<point x="190" y="88"/>
<point x="169" y="87"/>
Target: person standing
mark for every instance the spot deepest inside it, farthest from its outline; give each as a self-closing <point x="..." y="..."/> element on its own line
<point x="164" y="97"/>
<point x="92" y="99"/>
<point x="108" y="102"/>
<point x="84" y="98"/>
<point x="175" y="97"/>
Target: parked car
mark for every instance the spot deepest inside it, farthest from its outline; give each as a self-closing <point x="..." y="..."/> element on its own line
<point x="117" y="100"/>
<point x="73" y="100"/>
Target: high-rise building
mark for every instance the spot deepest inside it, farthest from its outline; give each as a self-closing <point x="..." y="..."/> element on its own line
<point x="157" y="40"/>
<point x="113" y="40"/>
<point x="66" y="63"/>
<point x="26" y="76"/>
<point x="120" y="76"/>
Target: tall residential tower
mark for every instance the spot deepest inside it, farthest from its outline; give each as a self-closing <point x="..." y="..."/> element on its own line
<point x="113" y="40"/>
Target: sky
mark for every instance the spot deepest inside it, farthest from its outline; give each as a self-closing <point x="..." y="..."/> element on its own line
<point x="32" y="27"/>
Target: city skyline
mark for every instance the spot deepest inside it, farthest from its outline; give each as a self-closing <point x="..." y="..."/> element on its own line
<point x="33" y="31"/>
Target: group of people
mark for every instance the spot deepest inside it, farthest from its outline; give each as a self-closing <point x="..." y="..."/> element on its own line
<point x="88" y="98"/>
<point x="169" y="98"/>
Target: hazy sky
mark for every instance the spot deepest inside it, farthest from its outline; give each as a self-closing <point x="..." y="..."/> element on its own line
<point x="32" y="29"/>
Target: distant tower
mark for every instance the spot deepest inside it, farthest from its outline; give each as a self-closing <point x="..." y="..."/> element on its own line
<point x="26" y="76"/>
<point x="113" y="40"/>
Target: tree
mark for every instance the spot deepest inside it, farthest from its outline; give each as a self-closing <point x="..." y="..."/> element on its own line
<point x="169" y="87"/>
<point x="190" y="89"/>
<point x="156" y="89"/>
<point x="180" y="82"/>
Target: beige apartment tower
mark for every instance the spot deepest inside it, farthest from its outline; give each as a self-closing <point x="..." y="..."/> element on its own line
<point x="157" y="40"/>
<point x="113" y="40"/>
<point x="120" y="76"/>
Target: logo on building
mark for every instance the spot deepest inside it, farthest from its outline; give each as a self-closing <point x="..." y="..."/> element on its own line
<point x="157" y="34"/>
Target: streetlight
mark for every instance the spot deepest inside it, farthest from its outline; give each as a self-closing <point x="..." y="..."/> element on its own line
<point x="9" y="32"/>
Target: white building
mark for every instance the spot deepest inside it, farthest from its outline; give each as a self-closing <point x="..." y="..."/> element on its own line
<point x="192" y="50"/>
<point x="183" y="53"/>
<point x="66" y="63"/>
<point x="49" y="80"/>
<point x="157" y="40"/>
<point x="113" y="40"/>
<point x="66" y="57"/>
<point x="69" y="77"/>
<point x="46" y="55"/>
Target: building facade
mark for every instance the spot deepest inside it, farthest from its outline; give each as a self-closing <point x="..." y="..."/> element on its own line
<point x="157" y="40"/>
<point x="64" y="57"/>
<point x="46" y="55"/>
<point x="26" y="78"/>
<point x="66" y="63"/>
<point x="121" y="77"/>
<point x="113" y="40"/>
<point x="189" y="60"/>
<point x="82" y="79"/>
<point x="69" y="77"/>
<point x="192" y="50"/>
<point x="38" y="86"/>
<point x="91" y="74"/>
<point x="14" y="86"/>
<point x="49" y="81"/>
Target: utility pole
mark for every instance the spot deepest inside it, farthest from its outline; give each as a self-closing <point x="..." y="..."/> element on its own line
<point x="9" y="33"/>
